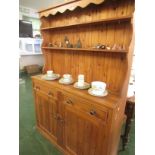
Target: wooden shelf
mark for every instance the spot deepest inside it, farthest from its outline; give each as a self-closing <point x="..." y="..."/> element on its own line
<point x="85" y="49"/>
<point x="110" y="20"/>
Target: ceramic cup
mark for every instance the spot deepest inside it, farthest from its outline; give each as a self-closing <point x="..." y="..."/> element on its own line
<point x="80" y="80"/>
<point x="49" y="73"/>
<point x="98" y="87"/>
<point x="67" y="77"/>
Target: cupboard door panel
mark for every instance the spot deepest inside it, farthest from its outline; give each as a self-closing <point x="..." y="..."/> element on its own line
<point x="42" y="104"/>
<point x="53" y="127"/>
<point x="46" y="113"/>
<point x="81" y="132"/>
<point x="53" y="118"/>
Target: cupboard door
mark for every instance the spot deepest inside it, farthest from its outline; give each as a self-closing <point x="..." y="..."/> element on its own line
<point x="42" y="109"/>
<point x="53" y="118"/>
<point x="83" y="134"/>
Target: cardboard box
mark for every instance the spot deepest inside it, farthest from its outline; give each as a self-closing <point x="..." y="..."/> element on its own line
<point x="31" y="69"/>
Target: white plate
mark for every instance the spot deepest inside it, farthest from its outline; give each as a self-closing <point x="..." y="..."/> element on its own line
<point x="54" y="77"/>
<point x="86" y="85"/>
<point x="90" y="91"/>
<point x="64" y="82"/>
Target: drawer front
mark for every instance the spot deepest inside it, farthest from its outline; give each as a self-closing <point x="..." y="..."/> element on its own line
<point x="46" y="90"/>
<point x="87" y="108"/>
<point x="101" y="114"/>
<point x="77" y="103"/>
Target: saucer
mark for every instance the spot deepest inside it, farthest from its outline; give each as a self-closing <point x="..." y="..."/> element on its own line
<point x="90" y="91"/>
<point x="53" y="77"/>
<point x="86" y="85"/>
<point x="64" y="82"/>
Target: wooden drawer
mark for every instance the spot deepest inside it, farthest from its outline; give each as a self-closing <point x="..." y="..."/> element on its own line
<point x="88" y="108"/>
<point x="100" y="113"/>
<point x="77" y="103"/>
<point x="46" y="90"/>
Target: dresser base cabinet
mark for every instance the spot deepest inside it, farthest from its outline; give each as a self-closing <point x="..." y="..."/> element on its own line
<point x="76" y="125"/>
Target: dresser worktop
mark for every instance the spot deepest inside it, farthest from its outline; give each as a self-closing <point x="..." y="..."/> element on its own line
<point x="110" y="101"/>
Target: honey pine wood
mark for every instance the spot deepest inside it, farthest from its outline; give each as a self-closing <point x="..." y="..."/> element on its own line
<point x="90" y="35"/>
<point x="95" y="22"/>
<point x="76" y="122"/>
<point x="84" y="49"/>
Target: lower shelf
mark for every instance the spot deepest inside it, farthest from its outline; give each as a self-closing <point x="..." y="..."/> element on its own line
<point x="86" y="49"/>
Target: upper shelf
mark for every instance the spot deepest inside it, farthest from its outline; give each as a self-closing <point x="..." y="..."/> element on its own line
<point x="85" y="49"/>
<point x="109" y="20"/>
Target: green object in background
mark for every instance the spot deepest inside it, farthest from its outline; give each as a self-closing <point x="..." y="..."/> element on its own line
<point x="31" y="142"/>
<point x="79" y="44"/>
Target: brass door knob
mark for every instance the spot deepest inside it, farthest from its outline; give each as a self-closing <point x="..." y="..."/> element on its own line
<point x="92" y="112"/>
<point x="37" y="88"/>
<point x="50" y="93"/>
<point x="69" y="102"/>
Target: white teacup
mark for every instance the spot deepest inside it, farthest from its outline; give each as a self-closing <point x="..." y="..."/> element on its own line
<point x="98" y="91"/>
<point x="98" y="87"/>
<point x="67" y="77"/>
<point x="49" y="73"/>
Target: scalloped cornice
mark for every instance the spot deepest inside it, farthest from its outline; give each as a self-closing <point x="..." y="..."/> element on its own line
<point x="72" y="5"/>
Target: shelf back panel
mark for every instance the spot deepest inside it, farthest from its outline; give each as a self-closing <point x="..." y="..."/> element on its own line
<point x="107" y="67"/>
<point x="90" y="36"/>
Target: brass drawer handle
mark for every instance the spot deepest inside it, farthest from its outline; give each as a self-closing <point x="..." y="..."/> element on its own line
<point x="50" y="93"/>
<point x="92" y="112"/>
<point x="69" y="102"/>
<point x="37" y="88"/>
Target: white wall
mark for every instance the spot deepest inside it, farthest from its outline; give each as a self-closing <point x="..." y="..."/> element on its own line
<point x="30" y="59"/>
<point x="28" y="11"/>
<point x="39" y="4"/>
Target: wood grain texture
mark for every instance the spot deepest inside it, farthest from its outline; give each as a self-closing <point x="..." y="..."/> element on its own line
<point x="68" y="6"/>
<point x="107" y="65"/>
<point x="86" y="23"/>
<point x="76" y="122"/>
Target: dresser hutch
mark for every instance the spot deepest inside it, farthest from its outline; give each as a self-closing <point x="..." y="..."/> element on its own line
<point x="73" y="120"/>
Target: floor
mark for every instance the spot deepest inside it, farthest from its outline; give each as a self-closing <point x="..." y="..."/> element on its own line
<point x="31" y="142"/>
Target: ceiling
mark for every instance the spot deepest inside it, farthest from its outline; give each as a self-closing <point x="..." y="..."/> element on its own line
<point x="38" y="4"/>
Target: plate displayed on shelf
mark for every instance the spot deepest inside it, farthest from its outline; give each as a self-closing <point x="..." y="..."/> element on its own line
<point x="62" y="81"/>
<point x="93" y="93"/>
<point x="53" y="77"/>
<point x="86" y="85"/>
